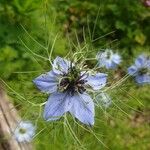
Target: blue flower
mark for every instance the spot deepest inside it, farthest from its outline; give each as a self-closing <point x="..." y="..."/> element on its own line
<point x="68" y="86"/>
<point x="108" y="59"/>
<point x="141" y="69"/>
<point x="104" y="99"/>
<point x="24" y="132"/>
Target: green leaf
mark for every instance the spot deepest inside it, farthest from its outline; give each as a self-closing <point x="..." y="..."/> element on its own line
<point x="120" y="25"/>
<point x="140" y="38"/>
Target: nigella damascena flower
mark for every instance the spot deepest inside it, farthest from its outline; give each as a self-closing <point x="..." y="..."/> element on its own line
<point x="108" y="59"/>
<point x="68" y="86"/>
<point x="104" y="100"/>
<point x="141" y="69"/>
<point x="24" y="131"/>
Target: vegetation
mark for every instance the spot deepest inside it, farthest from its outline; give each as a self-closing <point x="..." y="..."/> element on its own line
<point x="28" y="32"/>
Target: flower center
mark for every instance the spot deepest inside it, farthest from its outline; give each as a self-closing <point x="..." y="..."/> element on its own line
<point x="143" y="71"/>
<point x="22" y="131"/>
<point x="72" y="82"/>
<point x="108" y="54"/>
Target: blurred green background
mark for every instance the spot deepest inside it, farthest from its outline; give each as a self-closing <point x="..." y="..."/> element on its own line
<point x="31" y="26"/>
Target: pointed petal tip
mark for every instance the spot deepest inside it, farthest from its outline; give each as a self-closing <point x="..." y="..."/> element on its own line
<point x="91" y="124"/>
<point x="83" y="109"/>
<point x="34" y="81"/>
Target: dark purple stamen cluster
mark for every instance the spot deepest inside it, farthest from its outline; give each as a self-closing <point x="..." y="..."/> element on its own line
<point x="72" y="82"/>
<point x="143" y="71"/>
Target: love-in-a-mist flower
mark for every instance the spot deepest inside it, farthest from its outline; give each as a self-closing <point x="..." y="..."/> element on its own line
<point x="24" y="131"/>
<point x="67" y="85"/>
<point x="104" y="100"/>
<point x="108" y="59"/>
<point x="141" y="69"/>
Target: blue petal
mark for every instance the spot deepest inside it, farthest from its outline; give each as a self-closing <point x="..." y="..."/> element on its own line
<point x="140" y="61"/>
<point x="97" y="81"/>
<point x="116" y="58"/>
<point x="148" y="63"/>
<point x="83" y="75"/>
<point x="60" y="65"/>
<point x="101" y="57"/>
<point x="83" y="108"/>
<point x="56" y="106"/>
<point x="47" y="82"/>
<point x="109" y="64"/>
<point x="142" y="79"/>
<point x="132" y="70"/>
<point x="112" y="65"/>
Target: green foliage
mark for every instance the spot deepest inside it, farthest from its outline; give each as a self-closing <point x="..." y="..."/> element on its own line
<point x="129" y="19"/>
<point x="24" y="31"/>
